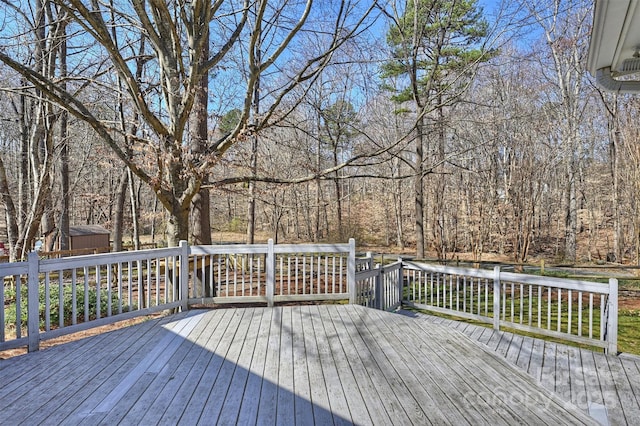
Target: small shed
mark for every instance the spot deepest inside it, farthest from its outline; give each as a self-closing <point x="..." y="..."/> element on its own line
<point x="88" y="237"/>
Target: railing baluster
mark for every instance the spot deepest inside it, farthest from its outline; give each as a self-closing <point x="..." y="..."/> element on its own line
<point x="74" y="308"/>
<point x="513" y="295"/>
<point x="590" y="315"/>
<point x="530" y="304"/>
<point x="559" y="310"/>
<point x="457" y="292"/>
<point x="580" y="314"/>
<point x="569" y="311"/>
<point x="47" y="303"/>
<point x="521" y="303"/>
<point x="548" y="308"/>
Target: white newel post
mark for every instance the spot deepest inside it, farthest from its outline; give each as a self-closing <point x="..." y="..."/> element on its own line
<point x="370" y="260"/>
<point x="379" y="291"/>
<point x="612" y="319"/>
<point x="400" y="283"/>
<point x="271" y="272"/>
<point x="351" y="271"/>
<point x="33" y="303"/>
<point x="496" y="298"/>
<point x="184" y="275"/>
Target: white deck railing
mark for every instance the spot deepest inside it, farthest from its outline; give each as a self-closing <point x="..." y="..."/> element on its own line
<point x="271" y="273"/>
<point x="583" y="312"/>
<point x="43" y="299"/>
<point x="378" y="286"/>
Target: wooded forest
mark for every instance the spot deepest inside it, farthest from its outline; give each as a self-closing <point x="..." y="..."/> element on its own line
<point x="433" y="127"/>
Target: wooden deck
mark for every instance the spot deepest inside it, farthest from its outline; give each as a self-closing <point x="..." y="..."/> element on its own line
<point x="326" y="364"/>
<point x="607" y="387"/>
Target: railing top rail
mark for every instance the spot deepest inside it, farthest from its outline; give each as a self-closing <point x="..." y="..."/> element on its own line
<point x="393" y="266"/>
<point x="14" y="268"/>
<point x="476" y="273"/>
<point x="563" y="283"/>
<point x="311" y="248"/>
<point x="264" y="248"/>
<point x="366" y="274"/>
<point x="49" y="265"/>
<point x="230" y="249"/>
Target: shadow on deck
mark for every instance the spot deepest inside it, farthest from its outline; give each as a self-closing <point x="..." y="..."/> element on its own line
<point x="341" y="364"/>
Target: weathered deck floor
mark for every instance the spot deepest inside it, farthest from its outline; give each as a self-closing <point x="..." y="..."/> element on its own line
<point x="607" y="387"/>
<point x="286" y="365"/>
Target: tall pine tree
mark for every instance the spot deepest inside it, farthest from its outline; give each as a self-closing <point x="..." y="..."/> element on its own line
<point x="436" y="46"/>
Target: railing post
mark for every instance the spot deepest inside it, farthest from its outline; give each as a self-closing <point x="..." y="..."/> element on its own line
<point x="351" y="271"/>
<point x="379" y="301"/>
<point x="400" y="283"/>
<point x="33" y="302"/>
<point x="271" y="272"/>
<point x="496" y="298"/>
<point x="612" y="318"/>
<point x="184" y="275"/>
<point x="370" y="260"/>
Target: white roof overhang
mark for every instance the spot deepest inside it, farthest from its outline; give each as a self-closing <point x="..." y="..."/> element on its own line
<point x="614" y="52"/>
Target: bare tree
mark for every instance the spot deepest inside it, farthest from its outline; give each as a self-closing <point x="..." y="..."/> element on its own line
<point x="174" y="67"/>
<point x="566" y="28"/>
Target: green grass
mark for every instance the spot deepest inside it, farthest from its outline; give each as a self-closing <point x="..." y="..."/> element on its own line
<point x="629" y="331"/>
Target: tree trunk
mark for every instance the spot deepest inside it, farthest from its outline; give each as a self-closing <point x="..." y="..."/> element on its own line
<point x="11" y="214"/>
<point x="178" y="223"/>
<point x="200" y="215"/>
<point x="65" y="196"/>
<point x="338" y="189"/>
<point x="133" y="201"/>
<point x="251" y="208"/>
<point x="571" y="212"/>
<point x="64" y="184"/>
<point x="118" y="220"/>
<point x="418" y="188"/>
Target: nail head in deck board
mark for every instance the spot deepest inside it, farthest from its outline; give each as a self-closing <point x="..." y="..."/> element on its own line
<point x="376" y="338"/>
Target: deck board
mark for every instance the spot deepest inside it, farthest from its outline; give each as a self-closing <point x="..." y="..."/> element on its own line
<point x="596" y="383"/>
<point x="356" y="402"/>
<point x="58" y="385"/>
<point x="303" y="409"/>
<point x="285" y="365"/>
<point x="375" y="378"/>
